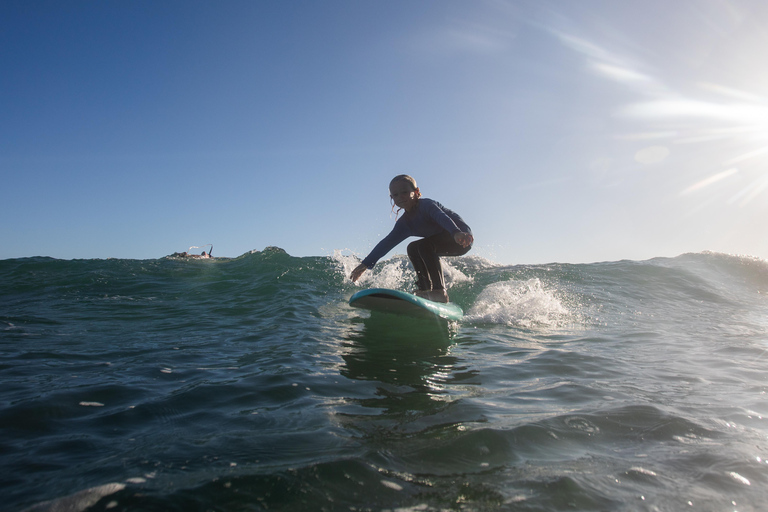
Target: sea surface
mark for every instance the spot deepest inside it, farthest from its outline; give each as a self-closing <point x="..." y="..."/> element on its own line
<point x="249" y="384"/>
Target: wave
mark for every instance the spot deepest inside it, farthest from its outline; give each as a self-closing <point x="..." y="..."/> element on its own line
<point x="525" y="296"/>
<point x="173" y="383"/>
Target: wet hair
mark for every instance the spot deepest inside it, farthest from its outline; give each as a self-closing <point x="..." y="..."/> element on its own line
<point x="404" y="177"/>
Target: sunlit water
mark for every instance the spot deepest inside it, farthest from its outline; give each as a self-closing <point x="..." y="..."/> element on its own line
<point x="250" y="384"/>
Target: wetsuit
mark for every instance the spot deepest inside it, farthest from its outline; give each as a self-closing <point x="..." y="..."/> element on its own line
<point x="437" y="225"/>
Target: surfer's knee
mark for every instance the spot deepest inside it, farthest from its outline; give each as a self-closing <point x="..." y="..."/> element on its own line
<point x="414" y="248"/>
<point x="421" y="246"/>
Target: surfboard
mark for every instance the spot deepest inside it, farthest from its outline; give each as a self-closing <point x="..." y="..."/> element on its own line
<point x="402" y="303"/>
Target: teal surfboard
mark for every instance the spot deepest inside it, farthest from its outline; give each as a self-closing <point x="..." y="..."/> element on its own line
<point x="402" y="303"/>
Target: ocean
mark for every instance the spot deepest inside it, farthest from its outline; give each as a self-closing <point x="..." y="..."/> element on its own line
<point x="249" y="384"/>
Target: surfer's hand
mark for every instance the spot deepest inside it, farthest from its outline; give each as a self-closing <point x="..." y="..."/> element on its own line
<point x="464" y="239"/>
<point x="358" y="272"/>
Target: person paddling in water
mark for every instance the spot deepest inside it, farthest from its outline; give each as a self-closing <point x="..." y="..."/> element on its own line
<point x="443" y="232"/>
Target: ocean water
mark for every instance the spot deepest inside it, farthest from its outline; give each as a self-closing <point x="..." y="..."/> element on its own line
<point x="249" y="384"/>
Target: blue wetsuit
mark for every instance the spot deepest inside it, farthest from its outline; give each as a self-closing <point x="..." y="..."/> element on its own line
<point x="437" y="224"/>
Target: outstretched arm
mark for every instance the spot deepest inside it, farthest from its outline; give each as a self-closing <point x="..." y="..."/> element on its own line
<point x="358" y="272"/>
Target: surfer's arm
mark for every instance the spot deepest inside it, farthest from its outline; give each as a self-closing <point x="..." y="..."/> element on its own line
<point x="398" y="234"/>
<point x="449" y="221"/>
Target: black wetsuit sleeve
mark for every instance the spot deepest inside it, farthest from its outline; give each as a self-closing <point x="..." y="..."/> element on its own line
<point x="398" y="234"/>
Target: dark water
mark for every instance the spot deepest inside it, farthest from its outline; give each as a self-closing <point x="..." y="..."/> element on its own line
<point x="249" y="384"/>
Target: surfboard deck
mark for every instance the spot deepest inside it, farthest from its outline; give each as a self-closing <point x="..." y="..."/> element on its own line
<point x="402" y="303"/>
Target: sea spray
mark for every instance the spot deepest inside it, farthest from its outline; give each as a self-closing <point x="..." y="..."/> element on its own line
<point x="519" y="303"/>
<point x="396" y="272"/>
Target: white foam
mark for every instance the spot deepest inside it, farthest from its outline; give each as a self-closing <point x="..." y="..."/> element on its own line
<point x="79" y="501"/>
<point x="395" y="273"/>
<point x="453" y="275"/>
<point x="519" y="303"/>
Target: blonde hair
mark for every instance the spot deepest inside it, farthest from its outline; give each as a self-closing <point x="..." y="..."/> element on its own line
<point x="407" y="179"/>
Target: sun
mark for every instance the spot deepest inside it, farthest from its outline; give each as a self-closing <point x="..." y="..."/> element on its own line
<point x="729" y="130"/>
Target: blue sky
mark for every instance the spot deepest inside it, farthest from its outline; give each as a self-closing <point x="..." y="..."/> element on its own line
<point x="570" y="130"/>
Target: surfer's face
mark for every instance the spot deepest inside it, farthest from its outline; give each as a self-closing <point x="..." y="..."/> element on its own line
<point x="404" y="195"/>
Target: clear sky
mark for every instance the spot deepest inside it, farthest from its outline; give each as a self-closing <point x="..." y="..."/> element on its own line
<point x="562" y="130"/>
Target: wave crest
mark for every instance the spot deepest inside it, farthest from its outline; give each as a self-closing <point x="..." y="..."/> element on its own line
<point x="519" y="303"/>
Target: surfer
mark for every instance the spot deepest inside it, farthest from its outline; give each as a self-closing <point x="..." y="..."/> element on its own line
<point x="443" y="232"/>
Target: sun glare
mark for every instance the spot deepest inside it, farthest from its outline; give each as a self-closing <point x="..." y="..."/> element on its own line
<point x="723" y="130"/>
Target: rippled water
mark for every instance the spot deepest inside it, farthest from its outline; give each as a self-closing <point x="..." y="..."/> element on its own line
<point x="250" y="384"/>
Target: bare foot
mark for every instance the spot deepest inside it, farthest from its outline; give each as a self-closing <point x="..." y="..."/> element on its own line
<point x="438" y="296"/>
